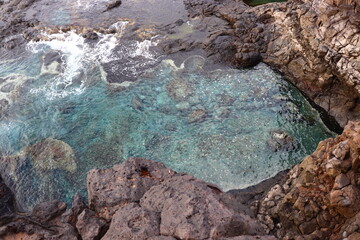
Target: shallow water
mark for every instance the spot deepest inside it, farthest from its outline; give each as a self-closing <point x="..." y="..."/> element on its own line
<point x="224" y="126"/>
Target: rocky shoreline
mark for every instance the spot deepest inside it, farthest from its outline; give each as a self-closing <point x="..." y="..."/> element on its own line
<point x="316" y="45"/>
<point x="142" y="199"/>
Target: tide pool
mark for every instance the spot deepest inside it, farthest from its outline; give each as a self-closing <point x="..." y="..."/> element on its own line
<point x="230" y="127"/>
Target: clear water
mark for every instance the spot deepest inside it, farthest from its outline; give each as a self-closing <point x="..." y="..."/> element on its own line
<point x="213" y="124"/>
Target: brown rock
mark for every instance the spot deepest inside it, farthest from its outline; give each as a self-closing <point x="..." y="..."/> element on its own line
<point x="341" y="181"/>
<point x="354" y="236"/>
<point x="46" y="211"/>
<point x="346" y="201"/>
<point x="190" y="209"/>
<point x="133" y="222"/>
<point x="89" y="226"/>
<point x="112" y="188"/>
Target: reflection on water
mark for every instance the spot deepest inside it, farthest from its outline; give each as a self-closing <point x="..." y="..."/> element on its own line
<point x="229" y="127"/>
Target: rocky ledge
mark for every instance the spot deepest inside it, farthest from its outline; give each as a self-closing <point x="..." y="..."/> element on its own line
<point x="142" y="199"/>
<point x="314" y="43"/>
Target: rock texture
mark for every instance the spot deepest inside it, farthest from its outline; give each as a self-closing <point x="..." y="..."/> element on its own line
<point x="141" y="199"/>
<point x="138" y="199"/>
<point x="320" y="198"/>
<point x="314" y="43"/>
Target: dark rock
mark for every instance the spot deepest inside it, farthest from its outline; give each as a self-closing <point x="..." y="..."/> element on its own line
<point x="90" y="35"/>
<point x="281" y="141"/>
<point x="8" y="87"/>
<point x="51" y="57"/>
<point x="71" y="215"/>
<point x="89" y="226"/>
<point x="137" y="104"/>
<point x="133" y="222"/>
<point x="46" y="211"/>
<point x="7" y="200"/>
<point x="113" y="4"/>
<point x="248" y="59"/>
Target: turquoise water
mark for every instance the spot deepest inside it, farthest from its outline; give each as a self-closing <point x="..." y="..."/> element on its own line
<point x="219" y="125"/>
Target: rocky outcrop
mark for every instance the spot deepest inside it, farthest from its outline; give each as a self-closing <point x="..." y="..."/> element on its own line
<point x="138" y="199"/>
<point x="320" y="198"/>
<point x="141" y="199"/>
<point x="314" y="43"/>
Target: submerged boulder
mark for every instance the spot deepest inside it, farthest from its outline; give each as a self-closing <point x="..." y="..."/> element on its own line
<point x="52" y="154"/>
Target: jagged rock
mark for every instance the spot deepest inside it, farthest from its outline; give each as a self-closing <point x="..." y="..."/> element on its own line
<point x="124" y="183"/>
<point x="89" y="226"/>
<point x="315" y="44"/>
<point x="189" y="208"/>
<point x="46" y="211"/>
<point x="251" y="238"/>
<point x="71" y="215"/>
<point x="320" y="194"/>
<point x="161" y="238"/>
<point x="133" y="222"/>
<point x="113" y="4"/>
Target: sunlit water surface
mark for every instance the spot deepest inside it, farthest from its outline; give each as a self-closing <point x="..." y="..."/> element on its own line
<point x="224" y="126"/>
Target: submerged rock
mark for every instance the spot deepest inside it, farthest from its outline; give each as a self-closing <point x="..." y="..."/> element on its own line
<point x="281" y="141"/>
<point x="179" y="89"/>
<point x="52" y="154"/>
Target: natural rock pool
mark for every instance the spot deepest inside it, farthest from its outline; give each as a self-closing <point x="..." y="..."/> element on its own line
<point x="61" y="116"/>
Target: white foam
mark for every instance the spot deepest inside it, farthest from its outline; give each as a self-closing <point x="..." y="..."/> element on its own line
<point x="78" y="56"/>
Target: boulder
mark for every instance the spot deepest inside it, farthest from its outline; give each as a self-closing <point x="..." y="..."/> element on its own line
<point x="124" y="183"/>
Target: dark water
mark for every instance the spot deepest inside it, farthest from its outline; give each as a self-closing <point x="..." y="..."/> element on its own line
<point x="260" y="2"/>
<point x="64" y="115"/>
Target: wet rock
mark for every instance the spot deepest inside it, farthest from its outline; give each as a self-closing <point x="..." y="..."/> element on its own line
<point x="137" y="104"/>
<point x="194" y="64"/>
<point x="281" y="141"/>
<point x="113" y="4"/>
<point x="89" y="226"/>
<point x="112" y="188"/>
<point x="179" y="90"/>
<point x="197" y="116"/>
<point x="133" y="222"/>
<point x="7" y="200"/>
<point x="52" y="154"/>
<point x="8" y="87"/>
<point x="90" y="35"/>
<point x="51" y="57"/>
